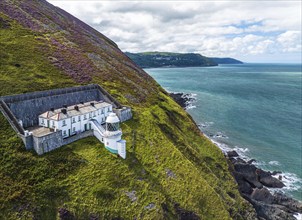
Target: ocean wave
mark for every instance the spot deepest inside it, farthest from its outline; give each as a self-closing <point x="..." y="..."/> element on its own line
<point x="190" y="106"/>
<point x="219" y="135"/>
<point x="191" y="99"/>
<point x="274" y="163"/>
<point x="298" y="216"/>
<point x="205" y="124"/>
<point x="291" y="181"/>
<point x="224" y="147"/>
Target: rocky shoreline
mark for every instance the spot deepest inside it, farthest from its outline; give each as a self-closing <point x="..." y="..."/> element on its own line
<point x="254" y="183"/>
<point x="183" y="99"/>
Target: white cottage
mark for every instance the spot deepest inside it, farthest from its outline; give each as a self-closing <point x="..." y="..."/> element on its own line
<point x="75" y="119"/>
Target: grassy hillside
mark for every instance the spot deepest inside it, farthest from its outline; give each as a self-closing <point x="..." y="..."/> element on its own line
<point x="171" y="169"/>
<point x="165" y="59"/>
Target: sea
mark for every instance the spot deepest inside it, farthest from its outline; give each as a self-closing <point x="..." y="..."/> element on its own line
<point x="252" y="108"/>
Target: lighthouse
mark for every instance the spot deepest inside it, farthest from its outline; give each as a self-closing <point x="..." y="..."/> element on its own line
<point x="113" y="136"/>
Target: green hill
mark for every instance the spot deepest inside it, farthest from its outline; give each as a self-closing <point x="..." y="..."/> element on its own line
<point x="226" y="60"/>
<point x="171" y="171"/>
<point x="164" y="59"/>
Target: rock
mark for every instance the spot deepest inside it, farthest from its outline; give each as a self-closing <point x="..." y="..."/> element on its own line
<point x="239" y="160"/>
<point x="251" y="161"/>
<point x="150" y="206"/>
<point x="290" y="203"/>
<point x="276" y="172"/>
<point x="244" y="186"/>
<point x="262" y="195"/>
<point x="132" y="196"/>
<point x="249" y="173"/>
<point x="170" y="173"/>
<point x="185" y="214"/>
<point x="182" y="99"/>
<point x="271" y="212"/>
<point x="268" y="180"/>
<point x="251" y="180"/>
<point x="232" y="153"/>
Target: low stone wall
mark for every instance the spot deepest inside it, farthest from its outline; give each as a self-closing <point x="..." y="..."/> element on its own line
<point x="124" y="113"/>
<point x="48" y="142"/>
<point x="55" y="140"/>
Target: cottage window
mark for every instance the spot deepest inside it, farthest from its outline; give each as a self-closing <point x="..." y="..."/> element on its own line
<point x="73" y="120"/>
<point x="42" y="121"/>
<point x="85" y="117"/>
<point x="64" y="133"/>
<point x="102" y="111"/>
<point x="89" y="114"/>
<point x="79" y="118"/>
<point x="53" y="124"/>
<point x="73" y="129"/>
<point x="64" y="123"/>
<point x="94" y="115"/>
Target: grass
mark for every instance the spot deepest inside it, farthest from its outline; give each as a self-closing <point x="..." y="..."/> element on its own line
<point x="86" y="179"/>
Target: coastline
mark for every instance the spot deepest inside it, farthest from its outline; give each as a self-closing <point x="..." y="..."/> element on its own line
<point x="259" y="187"/>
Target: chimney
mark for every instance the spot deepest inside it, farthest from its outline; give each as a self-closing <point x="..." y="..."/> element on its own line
<point x="76" y="108"/>
<point x="64" y="111"/>
<point x="92" y="104"/>
<point x="64" y="106"/>
<point x="52" y="109"/>
<point x="82" y="103"/>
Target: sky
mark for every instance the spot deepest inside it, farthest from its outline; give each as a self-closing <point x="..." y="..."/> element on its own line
<point x="251" y="31"/>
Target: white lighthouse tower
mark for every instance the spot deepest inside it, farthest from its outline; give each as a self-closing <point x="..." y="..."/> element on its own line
<point x="113" y="136"/>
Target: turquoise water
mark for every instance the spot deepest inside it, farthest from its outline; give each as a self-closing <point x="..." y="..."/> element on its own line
<point x="254" y="108"/>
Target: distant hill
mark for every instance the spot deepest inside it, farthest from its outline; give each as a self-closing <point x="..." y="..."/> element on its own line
<point x="167" y="59"/>
<point x="226" y="60"/>
<point x="163" y="59"/>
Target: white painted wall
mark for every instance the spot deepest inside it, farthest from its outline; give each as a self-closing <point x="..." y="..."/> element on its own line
<point x="77" y="123"/>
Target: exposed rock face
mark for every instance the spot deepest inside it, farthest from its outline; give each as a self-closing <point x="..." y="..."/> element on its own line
<point x="232" y="154"/>
<point x="182" y="99"/>
<point x="185" y="214"/>
<point x="252" y="183"/>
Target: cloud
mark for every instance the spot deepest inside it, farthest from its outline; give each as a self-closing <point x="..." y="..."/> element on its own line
<point x="213" y="28"/>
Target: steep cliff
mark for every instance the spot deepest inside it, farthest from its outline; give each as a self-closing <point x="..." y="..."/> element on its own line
<point x="171" y="171"/>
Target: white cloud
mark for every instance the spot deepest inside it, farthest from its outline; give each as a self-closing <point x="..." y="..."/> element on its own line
<point x="213" y="28"/>
<point x="290" y="41"/>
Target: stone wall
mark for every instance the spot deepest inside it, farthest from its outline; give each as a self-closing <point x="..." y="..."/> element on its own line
<point x="27" y="107"/>
<point x="48" y="142"/>
<point x="55" y="140"/>
<point x="124" y="113"/>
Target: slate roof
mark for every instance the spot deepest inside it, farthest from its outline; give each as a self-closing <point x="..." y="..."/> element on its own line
<point x="84" y="108"/>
